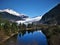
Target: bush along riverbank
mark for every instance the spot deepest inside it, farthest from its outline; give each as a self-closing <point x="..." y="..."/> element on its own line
<point x="52" y="33"/>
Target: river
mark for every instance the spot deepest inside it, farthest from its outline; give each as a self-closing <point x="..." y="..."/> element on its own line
<point x="28" y="38"/>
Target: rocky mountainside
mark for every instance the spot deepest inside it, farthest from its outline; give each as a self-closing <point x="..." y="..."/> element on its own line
<point x="14" y="16"/>
<point x="52" y="17"/>
<point x="11" y="15"/>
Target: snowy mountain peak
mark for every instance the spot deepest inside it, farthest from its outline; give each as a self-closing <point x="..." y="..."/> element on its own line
<point x="11" y="12"/>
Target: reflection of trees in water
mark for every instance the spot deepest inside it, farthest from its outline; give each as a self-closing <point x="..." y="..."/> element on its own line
<point x="30" y="31"/>
<point x="23" y="32"/>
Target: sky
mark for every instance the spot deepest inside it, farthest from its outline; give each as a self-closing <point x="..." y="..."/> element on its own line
<point x="30" y="8"/>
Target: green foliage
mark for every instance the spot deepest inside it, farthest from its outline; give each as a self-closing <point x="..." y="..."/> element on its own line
<point x="30" y="25"/>
<point x="22" y="26"/>
<point x="8" y="27"/>
<point x="14" y="27"/>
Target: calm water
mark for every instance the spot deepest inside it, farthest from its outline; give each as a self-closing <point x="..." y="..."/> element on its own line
<point x="28" y="38"/>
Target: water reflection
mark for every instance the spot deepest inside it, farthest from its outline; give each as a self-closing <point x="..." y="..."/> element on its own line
<point x="31" y="38"/>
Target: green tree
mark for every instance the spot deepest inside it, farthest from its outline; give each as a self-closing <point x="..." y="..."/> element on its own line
<point x="22" y="26"/>
<point x="7" y="28"/>
<point x="14" y="27"/>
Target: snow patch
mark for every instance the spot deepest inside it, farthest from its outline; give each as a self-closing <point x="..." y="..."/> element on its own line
<point x="11" y="12"/>
<point x="30" y="20"/>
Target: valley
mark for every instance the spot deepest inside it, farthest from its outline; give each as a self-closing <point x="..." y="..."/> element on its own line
<point x="49" y="24"/>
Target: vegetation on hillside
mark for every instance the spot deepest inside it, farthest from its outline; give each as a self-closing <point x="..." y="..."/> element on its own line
<point x="8" y="28"/>
<point x="52" y="33"/>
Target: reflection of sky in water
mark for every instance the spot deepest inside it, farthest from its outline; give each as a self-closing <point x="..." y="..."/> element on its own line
<point x="35" y="38"/>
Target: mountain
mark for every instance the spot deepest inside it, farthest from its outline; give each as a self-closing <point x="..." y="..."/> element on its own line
<point x="12" y="15"/>
<point x="51" y="17"/>
<point x="30" y="20"/>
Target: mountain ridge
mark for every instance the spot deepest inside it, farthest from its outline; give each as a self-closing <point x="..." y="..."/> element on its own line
<point x="51" y="17"/>
<point x="11" y="12"/>
<point x="17" y="17"/>
<point x="11" y="15"/>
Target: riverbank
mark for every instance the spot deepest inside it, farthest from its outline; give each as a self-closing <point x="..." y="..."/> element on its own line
<point x="6" y="38"/>
<point x="52" y="33"/>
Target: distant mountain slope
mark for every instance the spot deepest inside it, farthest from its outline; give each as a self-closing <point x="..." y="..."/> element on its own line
<point x="52" y="17"/>
<point x="30" y="20"/>
<point x="11" y="15"/>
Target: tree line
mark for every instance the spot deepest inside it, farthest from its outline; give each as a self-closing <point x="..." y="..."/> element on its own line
<point x="9" y="27"/>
